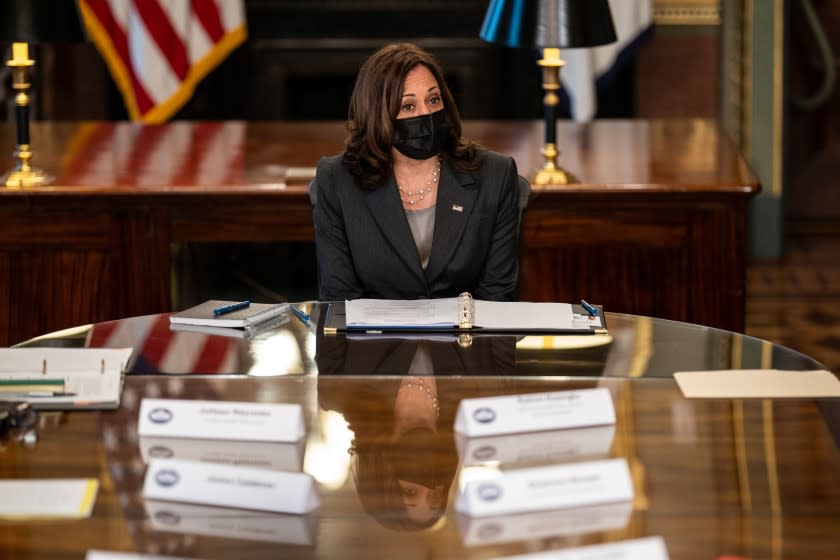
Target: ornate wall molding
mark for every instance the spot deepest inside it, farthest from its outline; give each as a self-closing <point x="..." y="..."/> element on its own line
<point x="686" y="12"/>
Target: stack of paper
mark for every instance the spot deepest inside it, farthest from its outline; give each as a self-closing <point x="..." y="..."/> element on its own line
<point x="249" y="321"/>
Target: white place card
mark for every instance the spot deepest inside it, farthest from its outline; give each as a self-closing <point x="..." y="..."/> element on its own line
<point x="283" y="456"/>
<point x="108" y="555"/>
<point x="71" y="498"/>
<point x="555" y="446"/>
<point x="544" y="488"/>
<point x="544" y="524"/>
<point x="533" y="412"/>
<point x="648" y="548"/>
<point x="242" y="421"/>
<point x="222" y="485"/>
<point x="190" y="519"/>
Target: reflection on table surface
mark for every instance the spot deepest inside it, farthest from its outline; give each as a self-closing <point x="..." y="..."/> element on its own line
<point x="635" y="347"/>
<point x="712" y="477"/>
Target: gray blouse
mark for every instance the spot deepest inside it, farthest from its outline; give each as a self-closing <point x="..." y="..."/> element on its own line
<point x="422" y="223"/>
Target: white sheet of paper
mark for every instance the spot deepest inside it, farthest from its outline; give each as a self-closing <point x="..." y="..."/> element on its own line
<point x="515" y="315"/>
<point x="241" y="421"/>
<point x="108" y="555"/>
<point x="388" y="312"/>
<point x="532" y="412"/>
<point x="581" y="321"/>
<point x="554" y="446"/>
<point x="544" y="488"/>
<point x="757" y="384"/>
<point x="222" y="485"/>
<point x="544" y="524"/>
<point x="278" y="456"/>
<point x="47" y="498"/>
<point x="62" y="360"/>
<point x="648" y="548"/>
<point x="523" y="315"/>
<point x="230" y="523"/>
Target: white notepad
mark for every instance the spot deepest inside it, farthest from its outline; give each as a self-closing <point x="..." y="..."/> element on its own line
<point x="70" y="498"/>
<point x="757" y="384"/>
<point x="254" y="314"/>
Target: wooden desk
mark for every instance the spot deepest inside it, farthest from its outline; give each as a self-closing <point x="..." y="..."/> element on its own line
<point x="656" y="228"/>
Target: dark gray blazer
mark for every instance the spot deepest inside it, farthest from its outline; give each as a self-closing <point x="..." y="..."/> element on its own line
<point x="366" y="250"/>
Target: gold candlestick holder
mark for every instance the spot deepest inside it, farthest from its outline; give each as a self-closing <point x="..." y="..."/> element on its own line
<point x="22" y="175"/>
<point x="551" y="173"/>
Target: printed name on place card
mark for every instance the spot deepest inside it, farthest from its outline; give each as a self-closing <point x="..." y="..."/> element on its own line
<point x="533" y="412"/>
<point x="648" y="548"/>
<point x="543" y="488"/>
<point x="223" y="485"/>
<point x="243" y="421"/>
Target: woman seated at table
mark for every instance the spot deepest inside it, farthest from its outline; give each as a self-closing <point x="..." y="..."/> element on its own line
<point x="411" y="209"/>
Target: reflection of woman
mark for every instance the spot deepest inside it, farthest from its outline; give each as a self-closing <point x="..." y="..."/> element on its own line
<point x="404" y="457"/>
<point x="342" y="354"/>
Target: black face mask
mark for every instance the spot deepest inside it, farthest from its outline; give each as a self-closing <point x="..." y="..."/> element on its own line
<point x="422" y="137"/>
<point x="439" y="463"/>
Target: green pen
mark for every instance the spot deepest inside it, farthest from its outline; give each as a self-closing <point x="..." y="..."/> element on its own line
<point x="26" y="385"/>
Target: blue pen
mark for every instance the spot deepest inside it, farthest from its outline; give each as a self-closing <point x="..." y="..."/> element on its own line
<point x="589" y="308"/>
<point x="229" y="308"/>
<point x="302" y="315"/>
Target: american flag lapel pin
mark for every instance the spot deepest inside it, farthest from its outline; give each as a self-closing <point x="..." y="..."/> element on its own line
<point x="457" y="207"/>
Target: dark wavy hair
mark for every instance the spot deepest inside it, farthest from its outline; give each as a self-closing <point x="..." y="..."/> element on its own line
<point x="375" y="103"/>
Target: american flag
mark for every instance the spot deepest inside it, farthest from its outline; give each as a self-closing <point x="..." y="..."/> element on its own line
<point x="158" y="50"/>
<point x="158" y="349"/>
<point x="180" y="156"/>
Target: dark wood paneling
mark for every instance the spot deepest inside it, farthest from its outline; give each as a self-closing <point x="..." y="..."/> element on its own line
<point x="624" y="280"/>
<point x="54" y="289"/>
<point x="57" y="267"/>
<point x="144" y="238"/>
<point x="678" y="73"/>
<point x="6" y="295"/>
<point x="253" y="221"/>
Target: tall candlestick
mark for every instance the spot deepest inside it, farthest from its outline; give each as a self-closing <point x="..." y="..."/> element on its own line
<point x="20" y="52"/>
<point x="22" y="175"/>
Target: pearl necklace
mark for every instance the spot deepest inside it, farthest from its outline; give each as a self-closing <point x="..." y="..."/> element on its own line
<point x="425" y="389"/>
<point x="420" y="193"/>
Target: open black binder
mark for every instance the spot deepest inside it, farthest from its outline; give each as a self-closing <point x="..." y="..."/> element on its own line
<point x="335" y="321"/>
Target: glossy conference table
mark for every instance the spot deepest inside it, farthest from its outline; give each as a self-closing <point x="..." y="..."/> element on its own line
<point x="715" y="479"/>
